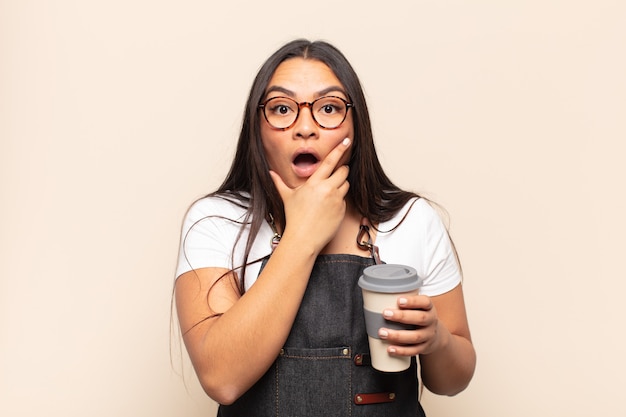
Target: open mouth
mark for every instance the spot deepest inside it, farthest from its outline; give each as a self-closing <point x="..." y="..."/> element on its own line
<point x="305" y="160"/>
<point x="305" y="164"/>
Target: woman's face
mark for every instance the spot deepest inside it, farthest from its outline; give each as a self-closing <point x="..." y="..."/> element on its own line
<point x="296" y="153"/>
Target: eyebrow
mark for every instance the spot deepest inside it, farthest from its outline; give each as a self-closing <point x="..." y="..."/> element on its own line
<point x="292" y="94"/>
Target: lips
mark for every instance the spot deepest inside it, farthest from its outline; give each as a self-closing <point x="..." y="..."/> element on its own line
<point x="305" y="163"/>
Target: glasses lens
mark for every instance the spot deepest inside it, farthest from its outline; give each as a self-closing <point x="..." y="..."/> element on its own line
<point x="281" y="112"/>
<point x="329" y="112"/>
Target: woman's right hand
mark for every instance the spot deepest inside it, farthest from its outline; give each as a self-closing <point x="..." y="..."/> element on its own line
<point x="315" y="209"/>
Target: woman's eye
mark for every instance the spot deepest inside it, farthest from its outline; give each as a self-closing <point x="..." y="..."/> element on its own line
<point x="281" y="109"/>
<point x="329" y="106"/>
<point x="328" y="109"/>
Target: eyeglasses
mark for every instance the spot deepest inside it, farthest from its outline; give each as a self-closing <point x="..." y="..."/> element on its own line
<point x="328" y="112"/>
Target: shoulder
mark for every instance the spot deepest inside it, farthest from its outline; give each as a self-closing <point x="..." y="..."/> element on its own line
<point x="214" y="233"/>
<point x="417" y="214"/>
<point x="213" y="206"/>
<point x="416" y="236"/>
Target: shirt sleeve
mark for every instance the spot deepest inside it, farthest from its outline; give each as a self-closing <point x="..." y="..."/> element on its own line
<point x="208" y="235"/>
<point x="421" y="241"/>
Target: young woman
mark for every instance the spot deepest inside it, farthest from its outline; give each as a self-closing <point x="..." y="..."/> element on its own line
<point x="266" y="288"/>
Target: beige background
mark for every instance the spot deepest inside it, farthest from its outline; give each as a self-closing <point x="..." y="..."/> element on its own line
<point x="115" y="115"/>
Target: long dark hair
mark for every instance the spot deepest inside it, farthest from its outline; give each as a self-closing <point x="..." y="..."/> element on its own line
<point x="248" y="182"/>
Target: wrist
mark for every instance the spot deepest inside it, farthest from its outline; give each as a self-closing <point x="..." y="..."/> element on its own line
<point x="298" y="246"/>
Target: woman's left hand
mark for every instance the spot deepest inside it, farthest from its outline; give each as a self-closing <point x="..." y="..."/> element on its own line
<point x="420" y="311"/>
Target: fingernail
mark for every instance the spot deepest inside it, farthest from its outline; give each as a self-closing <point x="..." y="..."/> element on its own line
<point x="383" y="333"/>
<point x="391" y="350"/>
<point x="388" y="313"/>
<point x="402" y="301"/>
<point x="346" y="141"/>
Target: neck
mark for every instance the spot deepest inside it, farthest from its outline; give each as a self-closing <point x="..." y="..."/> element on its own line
<point x="344" y="241"/>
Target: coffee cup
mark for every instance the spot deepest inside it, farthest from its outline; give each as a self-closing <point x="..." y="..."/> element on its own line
<point x="381" y="286"/>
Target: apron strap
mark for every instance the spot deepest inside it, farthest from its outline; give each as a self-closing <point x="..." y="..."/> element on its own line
<point x="364" y="241"/>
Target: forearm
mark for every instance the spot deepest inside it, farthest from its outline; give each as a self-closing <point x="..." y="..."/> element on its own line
<point x="236" y="349"/>
<point x="449" y="369"/>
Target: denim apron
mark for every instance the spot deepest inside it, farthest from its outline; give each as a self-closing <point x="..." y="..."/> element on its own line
<point x="324" y="369"/>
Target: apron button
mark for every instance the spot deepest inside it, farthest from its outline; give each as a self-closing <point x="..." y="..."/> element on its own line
<point x="362" y="359"/>
<point x="345" y="352"/>
<point x="358" y="399"/>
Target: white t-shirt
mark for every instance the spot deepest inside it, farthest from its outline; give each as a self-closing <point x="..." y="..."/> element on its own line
<point x="212" y="224"/>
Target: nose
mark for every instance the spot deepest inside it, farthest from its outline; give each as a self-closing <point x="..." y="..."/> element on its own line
<point x="305" y="126"/>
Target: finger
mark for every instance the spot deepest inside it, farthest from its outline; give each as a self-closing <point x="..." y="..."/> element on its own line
<point x="416" y="302"/>
<point x="344" y="187"/>
<point x="283" y="189"/>
<point x="328" y="165"/>
<point x="410" y="350"/>
<point x="339" y="177"/>
<point x="406" y="337"/>
<point x="415" y="317"/>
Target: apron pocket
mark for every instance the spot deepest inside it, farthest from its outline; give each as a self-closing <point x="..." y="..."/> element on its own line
<point x="314" y="382"/>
